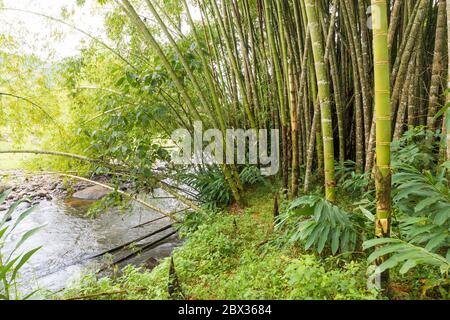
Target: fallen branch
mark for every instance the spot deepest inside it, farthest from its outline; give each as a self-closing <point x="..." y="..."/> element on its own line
<point x="168" y="188"/>
<point x="169" y="215"/>
<point x="163" y="185"/>
<point x="60" y="128"/>
<point x="191" y="194"/>
<point x="51" y="153"/>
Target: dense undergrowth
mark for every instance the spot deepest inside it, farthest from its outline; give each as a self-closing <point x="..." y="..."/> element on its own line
<point x="310" y="249"/>
<point x="228" y="256"/>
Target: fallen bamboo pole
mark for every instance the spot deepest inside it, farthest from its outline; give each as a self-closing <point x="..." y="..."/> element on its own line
<point x="148" y="222"/>
<point x="143" y="248"/>
<point x="157" y="219"/>
<point x="132" y="241"/>
<point x="51" y="153"/>
<point x="168" y="188"/>
<point x="165" y="186"/>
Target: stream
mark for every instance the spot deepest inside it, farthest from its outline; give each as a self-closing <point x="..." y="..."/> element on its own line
<point x="69" y="239"/>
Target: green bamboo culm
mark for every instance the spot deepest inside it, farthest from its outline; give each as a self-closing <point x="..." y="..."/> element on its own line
<point x="383" y="124"/>
<point x="324" y="98"/>
<point x="447" y="116"/>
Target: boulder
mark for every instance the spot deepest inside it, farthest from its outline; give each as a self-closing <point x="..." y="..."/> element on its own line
<point x="91" y="193"/>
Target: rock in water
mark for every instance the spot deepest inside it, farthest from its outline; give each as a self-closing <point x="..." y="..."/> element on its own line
<point x="91" y="193"/>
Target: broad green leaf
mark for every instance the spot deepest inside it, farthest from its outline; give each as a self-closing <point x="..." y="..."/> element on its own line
<point x="335" y="240"/>
<point x="2" y="231"/>
<point x="436" y="241"/>
<point x="323" y="239"/>
<point x="408" y="265"/>
<point x="376" y="242"/>
<point x="7" y="267"/>
<point x="367" y="214"/>
<point x="426" y="202"/>
<point x="442" y="216"/>
<point x="385" y="250"/>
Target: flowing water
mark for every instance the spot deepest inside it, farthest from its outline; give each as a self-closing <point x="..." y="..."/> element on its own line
<point x="69" y="238"/>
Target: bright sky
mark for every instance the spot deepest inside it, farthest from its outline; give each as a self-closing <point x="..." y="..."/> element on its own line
<point x="50" y="39"/>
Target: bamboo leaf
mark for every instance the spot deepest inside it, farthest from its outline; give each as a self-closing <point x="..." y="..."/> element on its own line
<point x="23" y="260"/>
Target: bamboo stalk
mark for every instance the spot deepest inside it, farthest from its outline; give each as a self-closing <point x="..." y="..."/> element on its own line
<point x="383" y="125"/>
<point x="324" y="96"/>
<point x="438" y="67"/>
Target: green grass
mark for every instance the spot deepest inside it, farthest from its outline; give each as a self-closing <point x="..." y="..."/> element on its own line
<point x="228" y="257"/>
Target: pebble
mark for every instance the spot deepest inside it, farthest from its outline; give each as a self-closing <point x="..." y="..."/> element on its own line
<point x="36" y="189"/>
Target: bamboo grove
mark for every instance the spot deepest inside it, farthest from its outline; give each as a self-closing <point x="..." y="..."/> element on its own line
<point x="322" y="72"/>
<point x="340" y="79"/>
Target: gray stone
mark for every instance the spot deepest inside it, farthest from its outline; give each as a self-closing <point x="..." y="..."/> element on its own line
<point x="53" y="186"/>
<point x="91" y="193"/>
<point x="41" y="193"/>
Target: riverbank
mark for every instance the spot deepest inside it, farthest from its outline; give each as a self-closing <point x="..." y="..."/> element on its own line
<point x="37" y="187"/>
<point x="234" y="255"/>
<point x="71" y="239"/>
